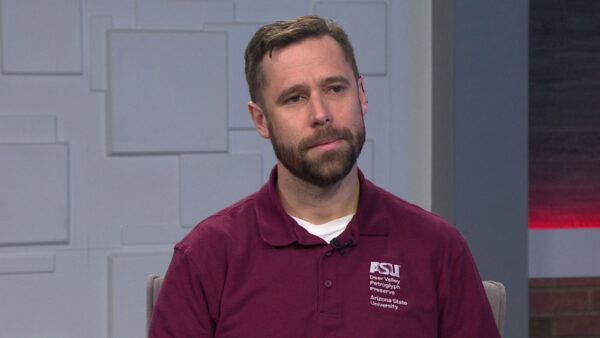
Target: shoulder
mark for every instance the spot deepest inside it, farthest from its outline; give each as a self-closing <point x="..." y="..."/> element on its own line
<point x="221" y="229"/>
<point x="424" y="234"/>
<point x="408" y="219"/>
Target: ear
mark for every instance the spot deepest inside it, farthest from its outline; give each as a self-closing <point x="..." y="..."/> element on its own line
<point x="259" y="118"/>
<point x="362" y="94"/>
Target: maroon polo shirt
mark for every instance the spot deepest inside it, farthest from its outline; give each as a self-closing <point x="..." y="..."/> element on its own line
<point x="251" y="271"/>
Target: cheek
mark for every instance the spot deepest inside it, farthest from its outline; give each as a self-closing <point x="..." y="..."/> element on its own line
<point x="286" y="129"/>
<point x="282" y="134"/>
<point x="354" y="114"/>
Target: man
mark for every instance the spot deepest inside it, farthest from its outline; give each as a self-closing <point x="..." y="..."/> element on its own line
<point x="319" y="251"/>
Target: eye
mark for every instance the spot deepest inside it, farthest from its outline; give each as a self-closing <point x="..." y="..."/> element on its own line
<point x="337" y="89"/>
<point x="293" y="99"/>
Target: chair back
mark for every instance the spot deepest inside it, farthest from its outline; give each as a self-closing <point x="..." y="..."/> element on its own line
<point x="153" y="283"/>
<point x="497" y="296"/>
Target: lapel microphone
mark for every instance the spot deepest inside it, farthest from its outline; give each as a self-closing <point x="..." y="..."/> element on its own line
<point x="339" y="246"/>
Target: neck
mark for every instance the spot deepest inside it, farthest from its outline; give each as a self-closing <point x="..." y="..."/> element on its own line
<point x="316" y="204"/>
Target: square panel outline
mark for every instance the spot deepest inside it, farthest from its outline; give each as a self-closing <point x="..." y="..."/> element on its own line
<point x="68" y="224"/>
<point x="108" y="97"/>
<point x="79" y="72"/>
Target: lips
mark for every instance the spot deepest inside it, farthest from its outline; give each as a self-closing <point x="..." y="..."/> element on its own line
<point x="327" y="138"/>
<point x="326" y="141"/>
<point x="331" y="144"/>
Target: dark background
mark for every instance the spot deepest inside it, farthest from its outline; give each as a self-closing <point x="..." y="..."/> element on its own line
<point x="564" y="114"/>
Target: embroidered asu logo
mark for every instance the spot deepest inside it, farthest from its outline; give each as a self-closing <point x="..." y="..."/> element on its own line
<point x="386" y="269"/>
<point x="384" y="286"/>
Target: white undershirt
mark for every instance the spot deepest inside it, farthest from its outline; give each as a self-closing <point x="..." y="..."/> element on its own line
<point x="327" y="231"/>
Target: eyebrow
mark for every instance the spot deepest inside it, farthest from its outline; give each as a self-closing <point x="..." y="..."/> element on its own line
<point x="300" y="87"/>
<point x="284" y="94"/>
<point x="334" y="79"/>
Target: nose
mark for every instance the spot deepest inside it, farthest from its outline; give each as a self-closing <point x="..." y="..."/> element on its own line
<point x="320" y="112"/>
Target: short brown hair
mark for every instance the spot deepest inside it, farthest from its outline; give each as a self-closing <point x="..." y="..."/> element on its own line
<point x="284" y="33"/>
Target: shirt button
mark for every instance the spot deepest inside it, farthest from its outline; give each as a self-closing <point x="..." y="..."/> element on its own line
<point x="328" y="283"/>
<point x="328" y="253"/>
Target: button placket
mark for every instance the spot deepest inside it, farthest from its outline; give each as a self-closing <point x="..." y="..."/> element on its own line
<point x="327" y="281"/>
<point x="328" y="295"/>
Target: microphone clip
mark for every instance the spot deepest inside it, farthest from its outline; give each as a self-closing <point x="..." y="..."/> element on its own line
<point x="339" y="246"/>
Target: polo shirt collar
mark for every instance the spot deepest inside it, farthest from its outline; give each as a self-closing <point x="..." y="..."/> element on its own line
<point x="277" y="228"/>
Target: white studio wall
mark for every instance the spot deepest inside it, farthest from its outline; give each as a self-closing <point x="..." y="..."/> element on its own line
<point x="123" y="123"/>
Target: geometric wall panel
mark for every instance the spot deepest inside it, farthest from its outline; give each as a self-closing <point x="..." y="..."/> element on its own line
<point x="161" y="14"/>
<point x="127" y="290"/>
<point x="167" y="92"/>
<point x="238" y="35"/>
<point x="41" y="37"/>
<point x="212" y="182"/>
<point x="142" y="190"/>
<point x="27" y="263"/>
<point x="152" y="234"/>
<point x="254" y="10"/>
<point x="249" y="142"/>
<point x="60" y="304"/>
<point x="27" y="129"/>
<point x="366" y="26"/>
<point x="377" y="123"/>
<point x="98" y="26"/>
<point x="122" y="12"/>
<point x="34" y="193"/>
<point x="366" y="159"/>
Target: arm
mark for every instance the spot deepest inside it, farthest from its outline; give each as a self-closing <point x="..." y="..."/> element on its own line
<point x="182" y="308"/>
<point x="464" y="310"/>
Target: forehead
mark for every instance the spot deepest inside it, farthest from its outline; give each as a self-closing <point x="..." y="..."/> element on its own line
<point x="305" y="60"/>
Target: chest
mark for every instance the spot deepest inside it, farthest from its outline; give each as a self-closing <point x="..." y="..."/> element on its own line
<point x="369" y="291"/>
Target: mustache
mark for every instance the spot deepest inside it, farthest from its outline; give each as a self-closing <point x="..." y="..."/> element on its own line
<point x="323" y="134"/>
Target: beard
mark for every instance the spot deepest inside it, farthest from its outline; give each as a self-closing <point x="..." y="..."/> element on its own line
<point x="322" y="169"/>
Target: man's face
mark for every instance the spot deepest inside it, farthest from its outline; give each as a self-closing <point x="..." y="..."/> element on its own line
<point x="314" y="110"/>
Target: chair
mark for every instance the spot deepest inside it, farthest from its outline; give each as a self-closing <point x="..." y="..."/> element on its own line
<point x="497" y="296"/>
<point x="153" y="283"/>
<point x="494" y="290"/>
